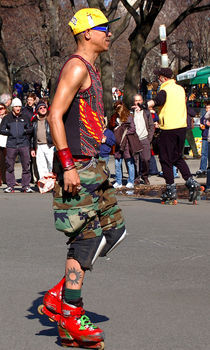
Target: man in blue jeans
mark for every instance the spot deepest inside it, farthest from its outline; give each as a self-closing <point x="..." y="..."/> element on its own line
<point x="17" y="127"/>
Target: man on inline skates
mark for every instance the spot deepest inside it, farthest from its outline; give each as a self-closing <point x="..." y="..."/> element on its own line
<point x="173" y="123"/>
<point x="84" y="204"/>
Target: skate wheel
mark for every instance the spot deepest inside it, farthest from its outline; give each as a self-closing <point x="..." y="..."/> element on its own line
<point x="51" y="319"/>
<point x="102" y="346"/>
<point x="39" y="309"/>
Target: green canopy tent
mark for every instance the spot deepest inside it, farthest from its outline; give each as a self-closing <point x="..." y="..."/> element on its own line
<point x="195" y="76"/>
<point x="202" y="76"/>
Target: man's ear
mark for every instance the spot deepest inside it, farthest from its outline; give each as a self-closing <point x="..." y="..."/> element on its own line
<point x="87" y="34"/>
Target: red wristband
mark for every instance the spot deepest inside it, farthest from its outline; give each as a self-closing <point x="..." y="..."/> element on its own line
<point x="66" y="158"/>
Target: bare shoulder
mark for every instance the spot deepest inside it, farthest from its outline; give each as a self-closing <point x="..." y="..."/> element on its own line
<point x="74" y="70"/>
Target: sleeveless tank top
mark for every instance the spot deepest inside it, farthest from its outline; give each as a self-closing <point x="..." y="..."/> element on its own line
<point x="84" y="120"/>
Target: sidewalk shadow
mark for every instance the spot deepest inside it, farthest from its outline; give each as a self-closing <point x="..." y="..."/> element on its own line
<point x="51" y="330"/>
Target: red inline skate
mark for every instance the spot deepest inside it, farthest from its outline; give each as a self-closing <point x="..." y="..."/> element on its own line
<point x="76" y="330"/>
<point x="52" y="302"/>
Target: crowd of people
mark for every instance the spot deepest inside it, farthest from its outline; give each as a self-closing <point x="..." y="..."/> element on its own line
<point x="24" y="133"/>
<point x="131" y="135"/>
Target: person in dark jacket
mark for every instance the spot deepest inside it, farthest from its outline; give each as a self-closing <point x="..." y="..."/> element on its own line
<point x="17" y="127"/>
<point x="30" y="111"/>
<point x="42" y="144"/>
<point x="30" y="107"/>
<point x="106" y="144"/>
<point x="145" y="130"/>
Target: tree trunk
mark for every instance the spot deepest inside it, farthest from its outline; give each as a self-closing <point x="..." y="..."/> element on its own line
<point x="5" y="86"/>
<point x="106" y="79"/>
<point x="133" y="72"/>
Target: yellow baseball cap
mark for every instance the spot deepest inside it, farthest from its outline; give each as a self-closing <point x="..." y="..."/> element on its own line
<point x="88" y="18"/>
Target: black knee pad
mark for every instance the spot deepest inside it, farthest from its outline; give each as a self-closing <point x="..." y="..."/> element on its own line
<point x="86" y="251"/>
<point x="114" y="236"/>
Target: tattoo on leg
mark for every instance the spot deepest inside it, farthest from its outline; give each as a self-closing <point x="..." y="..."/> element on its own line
<point x="73" y="276"/>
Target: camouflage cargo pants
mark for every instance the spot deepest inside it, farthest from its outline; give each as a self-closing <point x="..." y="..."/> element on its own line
<point x="93" y="210"/>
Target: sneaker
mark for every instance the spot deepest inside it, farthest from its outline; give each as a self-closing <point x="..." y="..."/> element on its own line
<point x="28" y="190"/>
<point x="129" y="185"/>
<point x="9" y="190"/>
<point x="116" y="185"/>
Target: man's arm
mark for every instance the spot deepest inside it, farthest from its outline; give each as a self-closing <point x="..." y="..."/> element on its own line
<point x="73" y="78"/>
<point x="159" y="99"/>
<point x="151" y="128"/>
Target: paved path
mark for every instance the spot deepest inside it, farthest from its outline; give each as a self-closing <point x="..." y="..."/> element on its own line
<point x="152" y="293"/>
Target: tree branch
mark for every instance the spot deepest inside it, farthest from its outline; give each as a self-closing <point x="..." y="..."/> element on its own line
<point x="177" y="21"/>
<point x="132" y="11"/>
<point x="124" y="25"/>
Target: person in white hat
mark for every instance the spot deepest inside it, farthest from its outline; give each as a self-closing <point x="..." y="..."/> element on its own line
<point x="94" y="226"/>
<point x="17" y="127"/>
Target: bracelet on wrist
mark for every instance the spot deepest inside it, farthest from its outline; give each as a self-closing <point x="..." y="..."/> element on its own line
<point x="65" y="158"/>
<point x="69" y="168"/>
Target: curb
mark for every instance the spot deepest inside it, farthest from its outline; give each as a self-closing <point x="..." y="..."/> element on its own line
<point x="156" y="191"/>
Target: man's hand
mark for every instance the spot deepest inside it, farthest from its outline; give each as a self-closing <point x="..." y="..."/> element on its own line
<point x="140" y="106"/>
<point x="71" y="181"/>
<point x="103" y="139"/>
<point x="143" y="105"/>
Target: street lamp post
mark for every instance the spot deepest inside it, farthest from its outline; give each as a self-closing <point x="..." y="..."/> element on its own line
<point x="190" y="46"/>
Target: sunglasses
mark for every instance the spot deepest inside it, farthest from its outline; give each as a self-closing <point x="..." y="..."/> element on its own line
<point x="106" y="29"/>
<point x="42" y="107"/>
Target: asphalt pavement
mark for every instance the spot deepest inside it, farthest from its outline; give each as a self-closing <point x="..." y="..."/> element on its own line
<point x="152" y="293"/>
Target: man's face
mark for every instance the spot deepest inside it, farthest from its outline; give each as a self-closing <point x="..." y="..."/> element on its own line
<point x="16" y="110"/>
<point x="30" y="101"/>
<point x="42" y="111"/>
<point x="101" y="39"/>
<point x="138" y="99"/>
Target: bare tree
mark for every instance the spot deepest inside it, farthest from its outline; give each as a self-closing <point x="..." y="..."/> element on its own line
<point x="144" y="18"/>
<point x="5" y="85"/>
<point x="40" y="48"/>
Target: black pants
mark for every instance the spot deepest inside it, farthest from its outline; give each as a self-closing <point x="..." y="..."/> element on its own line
<point x="170" y="153"/>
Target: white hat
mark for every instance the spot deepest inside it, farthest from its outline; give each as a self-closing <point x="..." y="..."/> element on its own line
<point x="16" y="102"/>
